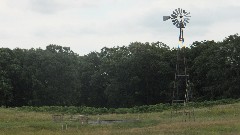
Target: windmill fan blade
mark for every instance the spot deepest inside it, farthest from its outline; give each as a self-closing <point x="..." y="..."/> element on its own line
<point x="178" y="25"/>
<point x="176" y="22"/>
<point x="184" y="12"/>
<point x="166" y="18"/>
<point x="186" y="20"/>
<point x="176" y="11"/>
<point x="179" y="10"/>
<point x="174" y="16"/>
<point x="187" y="13"/>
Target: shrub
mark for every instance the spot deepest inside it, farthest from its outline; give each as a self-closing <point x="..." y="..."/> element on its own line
<point x="136" y="109"/>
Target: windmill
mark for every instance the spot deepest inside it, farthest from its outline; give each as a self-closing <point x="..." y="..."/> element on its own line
<point x="179" y="18"/>
<point x="181" y="90"/>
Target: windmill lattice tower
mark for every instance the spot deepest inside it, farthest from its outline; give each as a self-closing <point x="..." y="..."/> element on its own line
<point x="182" y="87"/>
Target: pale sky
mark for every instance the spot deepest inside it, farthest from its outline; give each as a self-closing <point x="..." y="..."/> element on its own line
<point x="89" y="25"/>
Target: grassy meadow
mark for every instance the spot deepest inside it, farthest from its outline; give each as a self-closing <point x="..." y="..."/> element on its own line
<point x="213" y="120"/>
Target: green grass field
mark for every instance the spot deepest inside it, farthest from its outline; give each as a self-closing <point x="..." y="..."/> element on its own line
<point x="219" y="119"/>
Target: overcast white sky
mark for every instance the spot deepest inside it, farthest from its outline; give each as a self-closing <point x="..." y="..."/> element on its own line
<point x="89" y="25"/>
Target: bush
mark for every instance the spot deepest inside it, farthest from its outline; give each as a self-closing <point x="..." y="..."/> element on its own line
<point x="136" y="109"/>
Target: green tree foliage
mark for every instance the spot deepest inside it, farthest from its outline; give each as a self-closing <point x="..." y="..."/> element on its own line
<point x="93" y="81"/>
<point x="126" y="76"/>
<point x="215" y="68"/>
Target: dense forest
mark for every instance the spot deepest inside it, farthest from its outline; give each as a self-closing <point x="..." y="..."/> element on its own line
<point x="125" y="76"/>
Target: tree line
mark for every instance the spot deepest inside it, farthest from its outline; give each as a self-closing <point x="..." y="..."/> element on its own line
<point x="122" y="76"/>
